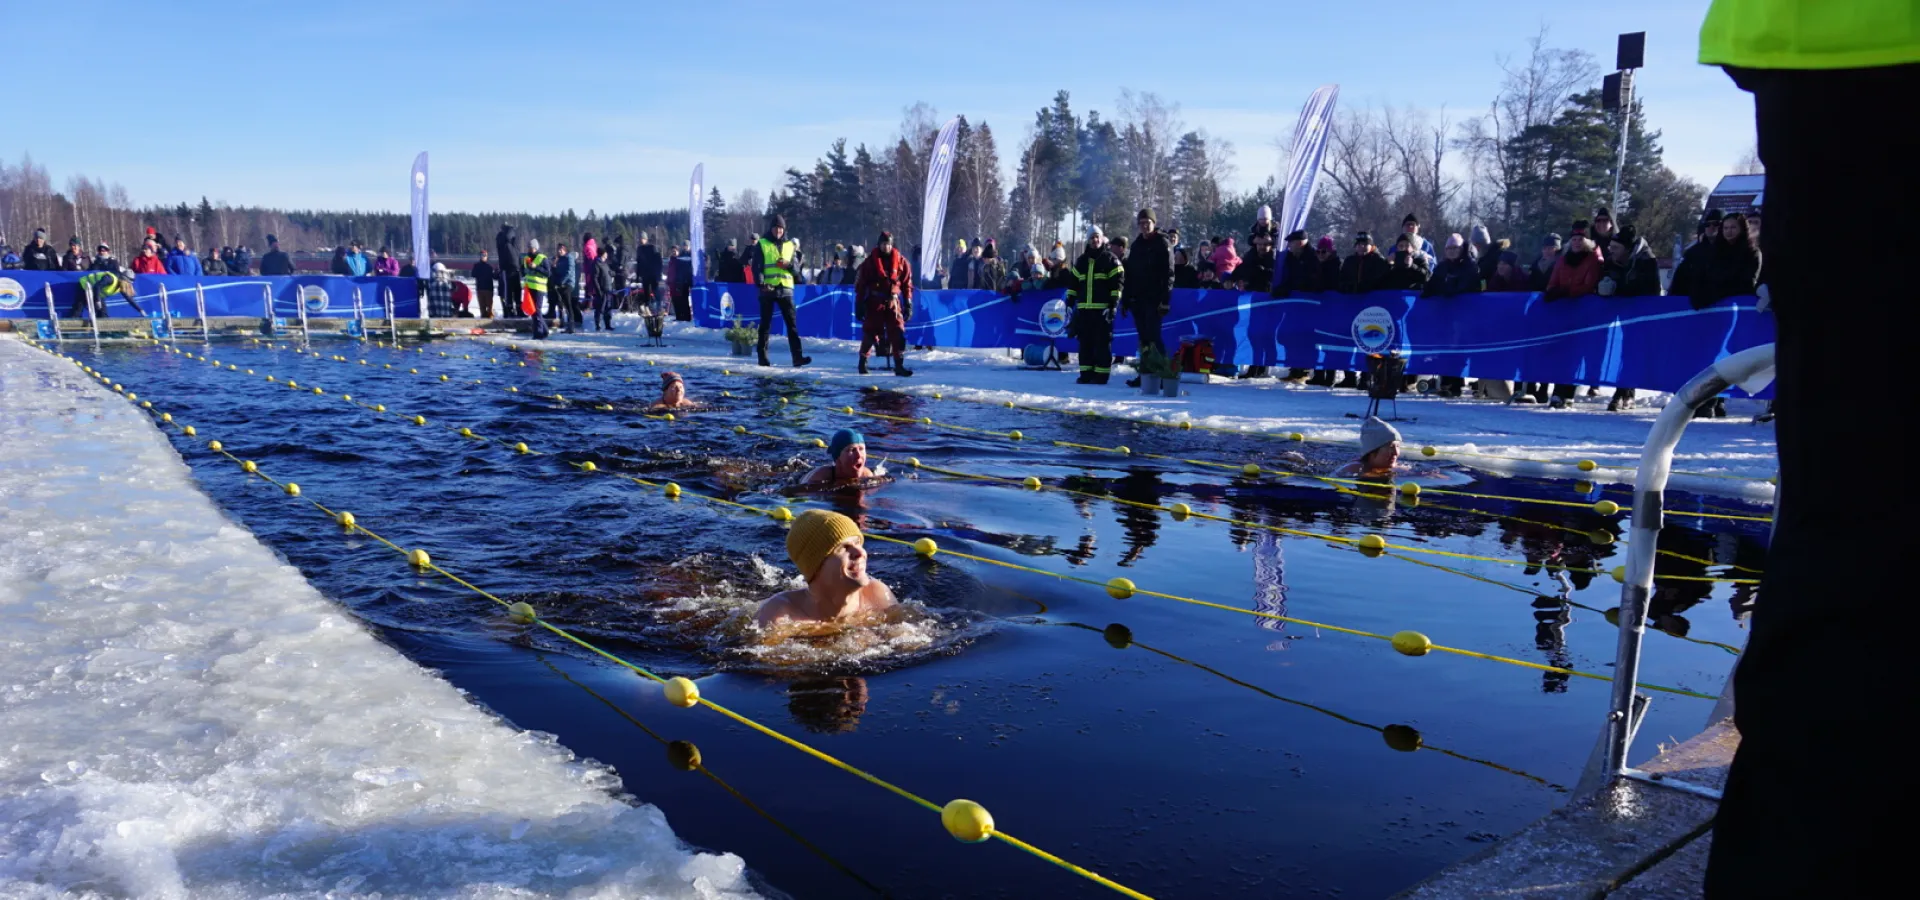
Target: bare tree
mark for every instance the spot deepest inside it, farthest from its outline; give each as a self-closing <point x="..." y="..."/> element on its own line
<point x="1533" y="91"/>
<point x="1750" y="163"/>
<point x="1150" y="127"/>
<point x="1360" y="163"/>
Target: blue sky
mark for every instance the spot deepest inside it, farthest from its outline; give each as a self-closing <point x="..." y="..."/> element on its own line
<point x="608" y="105"/>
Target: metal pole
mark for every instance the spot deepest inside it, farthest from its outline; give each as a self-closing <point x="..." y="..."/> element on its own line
<point x="300" y="300"/>
<point x="93" y="318"/>
<point x="357" y="317"/>
<point x="1626" y="127"/>
<point x="51" y="316"/>
<point x="1649" y="491"/>
<point x="166" y="313"/>
<point x="393" y="327"/>
<point x="266" y="297"/>
<point x="200" y="306"/>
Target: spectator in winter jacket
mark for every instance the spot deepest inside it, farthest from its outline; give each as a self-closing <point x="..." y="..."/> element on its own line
<point x="1542" y="270"/>
<point x="1578" y="273"/>
<point x="589" y="248"/>
<point x="38" y="255"/>
<point x="356" y="260"/>
<point x="1733" y="269"/>
<point x="1364" y="270"/>
<point x="729" y="269"/>
<point x="242" y="261"/>
<point x="338" y="265"/>
<point x="1263" y="224"/>
<point x="1630" y="270"/>
<point x="1689" y="275"/>
<point x="647" y="267"/>
<point x="603" y="292"/>
<point x="276" y="262"/>
<point x="1507" y="275"/>
<point x="564" y="287"/>
<point x="1329" y="277"/>
<point x="1603" y="230"/>
<point x="149" y="262"/>
<point x="1410" y="226"/>
<point x="1255" y="272"/>
<point x="75" y="259"/>
<point x="1486" y="252"/>
<point x="1404" y="270"/>
<point x="1184" y="274"/>
<point x="680" y="284"/>
<point x="1298" y="268"/>
<point x="506" y="250"/>
<point x="387" y="264"/>
<point x="1147" y="286"/>
<point x="103" y="260"/>
<point x="1456" y="273"/>
<point x="440" y="293"/>
<point x="1225" y="258"/>
<point x="483" y="274"/>
<point x="182" y="261"/>
<point x="213" y="264"/>
<point x="959" y="271"/>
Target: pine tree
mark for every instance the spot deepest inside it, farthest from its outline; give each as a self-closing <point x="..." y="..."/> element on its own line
<point x="713" y="220"/>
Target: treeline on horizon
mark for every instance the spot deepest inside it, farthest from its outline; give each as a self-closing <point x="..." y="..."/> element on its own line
<point x="1540" y="156"/>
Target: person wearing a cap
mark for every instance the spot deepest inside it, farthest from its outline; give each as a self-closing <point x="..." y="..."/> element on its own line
<point x="212" y="264"/>
<point x="1365" y="269"/>
<point x="1603" y="229"/>
<point x="534" y="270"/>
<point x="673" y="392"/>
<point x="883" y="296"/>
<point x="1689" y="274"/>
<point x="1379" y="451"/>
<point x="1094" y="296"/>
<point x="440" y="303"/>
<point x="1410" y="226"/>
<point x="75" y="259"/>
<point x="774" y="260"/>
<point x="604" y="298"/>
<point x="1457" y="272"/>
<point x="38" y="255"/>
<point x="847" y="450"/>
<point x="1541" y="271"/>
<point x="103" y="260"/>
<point x="1407" y="269"/>
<point x="276" y="261"/>
<point x="1578" y="272"/>
<point x="1149" y="284"/>
<point x="831" y="555"/>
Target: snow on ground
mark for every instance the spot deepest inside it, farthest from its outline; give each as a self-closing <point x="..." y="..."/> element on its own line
<point x="1548" y="441"/>
<point x="182" y="715"/>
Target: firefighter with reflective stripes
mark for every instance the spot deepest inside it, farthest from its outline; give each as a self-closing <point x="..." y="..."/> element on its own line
<point x="1093" y="292"/>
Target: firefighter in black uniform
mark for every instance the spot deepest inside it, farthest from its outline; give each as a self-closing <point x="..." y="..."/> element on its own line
<point x="1094" y="294"/>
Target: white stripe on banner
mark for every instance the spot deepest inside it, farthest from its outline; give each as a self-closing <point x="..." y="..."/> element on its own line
<point x="939" y="177"/>
<point x="696" y="224"/>
<point x="1308" y="149"/>
<point x="422" y="251"/>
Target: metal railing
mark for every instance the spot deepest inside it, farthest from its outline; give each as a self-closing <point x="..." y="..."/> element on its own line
<point x="1749" y="368"/>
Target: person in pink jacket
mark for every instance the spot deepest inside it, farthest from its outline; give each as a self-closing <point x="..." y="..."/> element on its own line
<point x="387" y="264"/>
<point x="1225" y="260"/>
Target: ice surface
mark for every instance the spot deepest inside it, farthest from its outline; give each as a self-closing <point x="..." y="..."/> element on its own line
<point x="1548" y="441"/>
<point x="182" y="715"/>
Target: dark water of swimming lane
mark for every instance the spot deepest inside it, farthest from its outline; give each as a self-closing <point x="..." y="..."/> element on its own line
<point x="1188" y="752"/>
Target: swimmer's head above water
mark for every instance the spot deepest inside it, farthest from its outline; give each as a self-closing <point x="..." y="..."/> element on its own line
<point x="673" y="391"/>
<point x="1379" y="446"/>
<point x="847" y="451"/>
<point x="831" y="555"/>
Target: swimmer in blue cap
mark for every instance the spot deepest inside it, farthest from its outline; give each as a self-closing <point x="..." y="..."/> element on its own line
<point x="848" y="450"/>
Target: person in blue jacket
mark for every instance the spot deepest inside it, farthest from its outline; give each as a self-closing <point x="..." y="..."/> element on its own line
<point x="182" y="261"/>
<point x="356" y="260"/>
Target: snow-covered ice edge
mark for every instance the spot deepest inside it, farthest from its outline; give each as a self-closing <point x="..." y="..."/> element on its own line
<point x="1477" y="433"/>
<point x="183" y="715"/>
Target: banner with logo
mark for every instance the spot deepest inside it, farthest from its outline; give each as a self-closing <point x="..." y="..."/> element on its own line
<point x="1309" y="147"/>
<point x="23" y="295"/>
<point x="422" y="251"/>
<point x="934" y="210"/>
<point x="1646" y="342"/>
<point x="697" y="224"/>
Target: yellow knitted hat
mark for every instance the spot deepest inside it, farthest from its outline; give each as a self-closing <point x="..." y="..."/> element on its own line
<point x="816" y="533"/>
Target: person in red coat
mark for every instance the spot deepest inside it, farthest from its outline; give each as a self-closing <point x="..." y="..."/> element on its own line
<point x="149" y="262"/>
<point x="1578" y="272"/>
<point x="883" y="295"/>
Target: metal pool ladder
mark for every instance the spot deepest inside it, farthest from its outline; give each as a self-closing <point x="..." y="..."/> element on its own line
<point x="1751" y="368"/>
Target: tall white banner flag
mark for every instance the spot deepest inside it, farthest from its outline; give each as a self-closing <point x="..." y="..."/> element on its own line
<point x="939" y="178"/>
<point x="1308" y="150"/>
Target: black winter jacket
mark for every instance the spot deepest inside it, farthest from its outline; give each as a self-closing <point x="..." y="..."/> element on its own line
<point x="1360" y="274"/>
<point x="506" y="248"/>
<point x="276" y="262"/>
<point x="40" y="258"/>
<point x="1638" y="277"/>
<point x="1453" y="277"/>
<point x="647" y="266"/>
<point x="1149" y="272"/>
<point x="1410" y="277"/>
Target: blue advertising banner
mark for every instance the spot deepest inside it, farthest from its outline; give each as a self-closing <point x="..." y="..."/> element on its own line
<point x="1645" y="342"/>
<point x="23" y="295"/>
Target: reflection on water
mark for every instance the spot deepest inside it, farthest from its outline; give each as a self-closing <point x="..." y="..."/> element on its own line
<point x="828" y="705"/>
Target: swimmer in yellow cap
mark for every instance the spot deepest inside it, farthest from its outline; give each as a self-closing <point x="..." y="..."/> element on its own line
<point x="831" y="554"/>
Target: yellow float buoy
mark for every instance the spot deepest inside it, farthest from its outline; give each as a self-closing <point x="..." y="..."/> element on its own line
<point x="926" y="547"/>
<point x="293" y="490"/>
<point x="967" y="821"/>
<point x="681" y="692"/>
<point x="419" y="558"/>
<point x="522" y="613"/>
<point x="1180" y="511"/>
<point x="1412" y="643"/>
<point x="345" y="519"/>
<point x="1606" y="507"/>
<point x="1120" y="588"/>
<point x="1373" y="542"/>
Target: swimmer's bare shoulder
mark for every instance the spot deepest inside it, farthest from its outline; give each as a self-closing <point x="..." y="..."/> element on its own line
<point x="876" y="596"/>
<point x="776" y="609"/>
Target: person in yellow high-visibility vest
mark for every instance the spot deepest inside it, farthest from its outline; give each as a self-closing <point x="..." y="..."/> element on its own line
<point x="775" y="258"/>
<point x="534" y="272"/>
<point x="1813" y="693"/>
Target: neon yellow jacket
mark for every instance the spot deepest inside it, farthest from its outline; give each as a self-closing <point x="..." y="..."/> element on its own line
<point x="1811" y="34"/>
